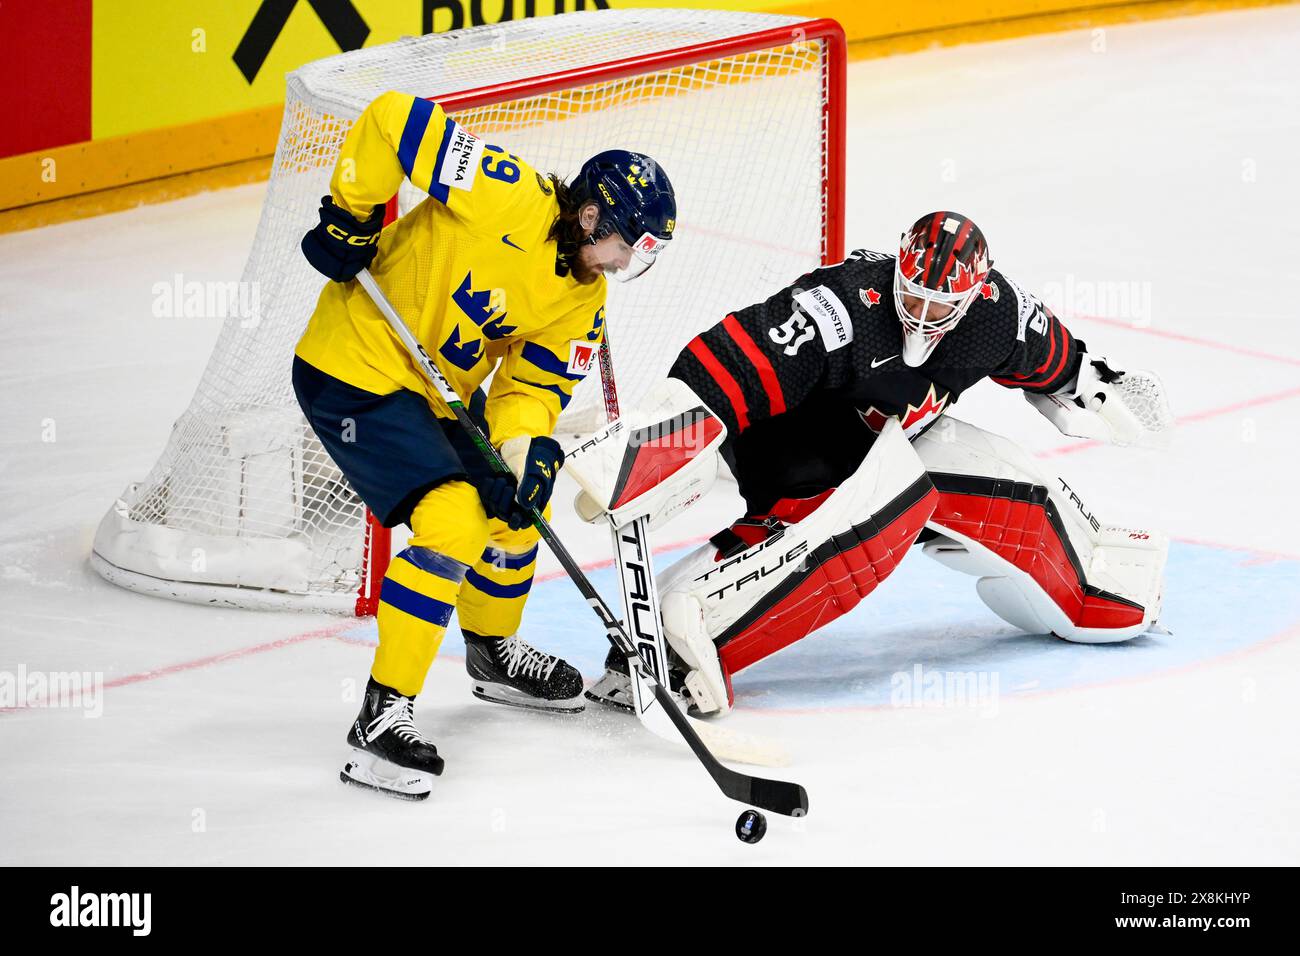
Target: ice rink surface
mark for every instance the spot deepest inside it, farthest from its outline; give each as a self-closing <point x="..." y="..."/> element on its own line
<point x="1142" y="176"/>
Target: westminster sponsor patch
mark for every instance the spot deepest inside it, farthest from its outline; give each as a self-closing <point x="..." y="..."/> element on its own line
<point x="825" y="308"/>
<point x="461" y="161"/>
<point x="582" y="356"/>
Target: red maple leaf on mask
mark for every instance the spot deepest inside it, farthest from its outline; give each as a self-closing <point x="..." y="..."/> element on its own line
<point x="908" y="266"/>
<point x="966" y="277"/>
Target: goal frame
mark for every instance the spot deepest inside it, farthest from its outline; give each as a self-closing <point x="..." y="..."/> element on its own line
<point x="377" y="552"/>
<point x="227" y="448"/>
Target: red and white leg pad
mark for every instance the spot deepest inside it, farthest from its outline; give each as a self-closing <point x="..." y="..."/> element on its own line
<point x="1044" y="562"/>
<point x="723" y="612"/>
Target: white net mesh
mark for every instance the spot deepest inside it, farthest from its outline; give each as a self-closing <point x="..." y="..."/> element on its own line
<point x="244" y="503"/>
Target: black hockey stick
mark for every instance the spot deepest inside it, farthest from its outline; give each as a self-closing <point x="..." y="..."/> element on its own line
<point x="778" y="796"/>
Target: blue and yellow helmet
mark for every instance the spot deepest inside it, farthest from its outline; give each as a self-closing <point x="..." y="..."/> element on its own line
<point x="636" y="200"/>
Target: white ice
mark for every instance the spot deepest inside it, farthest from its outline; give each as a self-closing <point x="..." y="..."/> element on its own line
<point x="1157" y="157"/>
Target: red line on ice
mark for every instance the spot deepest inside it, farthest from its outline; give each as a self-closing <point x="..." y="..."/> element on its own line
<point x="1190" y="339"/>
<point x="332" y="632"/>
<point x="1184" y="420"/>
<point x="324" y="632"/>
<point x="338" y="632"/>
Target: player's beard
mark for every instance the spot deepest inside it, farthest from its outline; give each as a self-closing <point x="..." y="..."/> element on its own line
<point x="583" y="271"/>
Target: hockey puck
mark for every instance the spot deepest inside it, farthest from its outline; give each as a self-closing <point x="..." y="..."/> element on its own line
<point x="750" y="826"/>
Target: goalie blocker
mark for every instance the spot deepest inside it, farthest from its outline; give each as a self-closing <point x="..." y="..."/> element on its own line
<point x="1045" y="564"/>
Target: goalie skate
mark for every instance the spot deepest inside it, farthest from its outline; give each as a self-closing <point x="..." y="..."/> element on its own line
<point x="614" y="688"/>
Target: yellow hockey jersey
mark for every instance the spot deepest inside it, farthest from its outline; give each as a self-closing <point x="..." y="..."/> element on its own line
<point x="469" y="269"/>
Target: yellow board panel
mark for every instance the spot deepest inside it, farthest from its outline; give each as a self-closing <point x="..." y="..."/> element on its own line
<point x="118" y="198"/>
<point x="149" y="154"/>
<point x="148" y="75"/>
<point x="165" y="62"/>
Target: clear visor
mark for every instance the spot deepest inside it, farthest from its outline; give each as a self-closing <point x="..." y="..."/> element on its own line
<point x="641" y="255"/>
<point x="937" y="315"/>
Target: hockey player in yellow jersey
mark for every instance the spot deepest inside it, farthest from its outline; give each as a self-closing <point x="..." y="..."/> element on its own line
<point x="502" y="268"/>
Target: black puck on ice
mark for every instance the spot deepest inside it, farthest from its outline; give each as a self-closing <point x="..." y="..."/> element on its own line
<point x="750" y="826"/>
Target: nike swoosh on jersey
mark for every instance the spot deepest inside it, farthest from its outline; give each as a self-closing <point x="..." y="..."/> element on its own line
<point x="506" y="240"/>
<point x="877" y="364"/>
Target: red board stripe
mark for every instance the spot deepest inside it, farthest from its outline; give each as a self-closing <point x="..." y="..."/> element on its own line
<point x="46" y="49"/>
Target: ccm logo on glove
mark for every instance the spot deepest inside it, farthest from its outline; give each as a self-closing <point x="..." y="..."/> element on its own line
<point x="341" y="245"/>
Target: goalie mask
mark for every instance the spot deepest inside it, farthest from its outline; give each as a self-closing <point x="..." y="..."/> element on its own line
<point x="942" y="263"/>
<point x="636" y="201"/>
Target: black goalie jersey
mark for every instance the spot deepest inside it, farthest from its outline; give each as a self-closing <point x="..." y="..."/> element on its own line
<point x="806" y="379"/>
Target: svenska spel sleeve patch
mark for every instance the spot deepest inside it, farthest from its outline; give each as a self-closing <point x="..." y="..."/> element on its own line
<point x="460" y="163"/>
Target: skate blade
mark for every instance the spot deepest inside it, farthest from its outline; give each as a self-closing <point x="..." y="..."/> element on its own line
<point x="373" y="773"/>
<point x="612" y="702"/>
<point x="614" y="691"/>
<point x="502" y="694"/>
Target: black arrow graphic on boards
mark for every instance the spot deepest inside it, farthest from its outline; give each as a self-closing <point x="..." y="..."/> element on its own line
<point x="340" y="18"/>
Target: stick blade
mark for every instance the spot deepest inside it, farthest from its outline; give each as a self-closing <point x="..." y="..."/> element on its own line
<point x="777" y="796"/>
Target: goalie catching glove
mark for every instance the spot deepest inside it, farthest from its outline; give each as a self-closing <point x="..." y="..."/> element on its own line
<point x="1104" y="404"/>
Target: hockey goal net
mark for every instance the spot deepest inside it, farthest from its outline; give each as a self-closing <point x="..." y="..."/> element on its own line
<point x="745" y="112"/>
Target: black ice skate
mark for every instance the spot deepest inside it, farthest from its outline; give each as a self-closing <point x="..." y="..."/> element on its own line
<point x="389" y="754"/>
<point x="506" y="670"/>
<point x="614" y="689"/>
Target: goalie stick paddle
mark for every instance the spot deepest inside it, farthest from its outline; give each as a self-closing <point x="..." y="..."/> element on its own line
<point x="634" y="561"/>
<point x="636" y="584"/>
<point x="777" y="796"/>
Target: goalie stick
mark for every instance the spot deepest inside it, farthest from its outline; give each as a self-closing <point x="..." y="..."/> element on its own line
<point x="778" y="796"/>
<point x="634" y="561"/>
